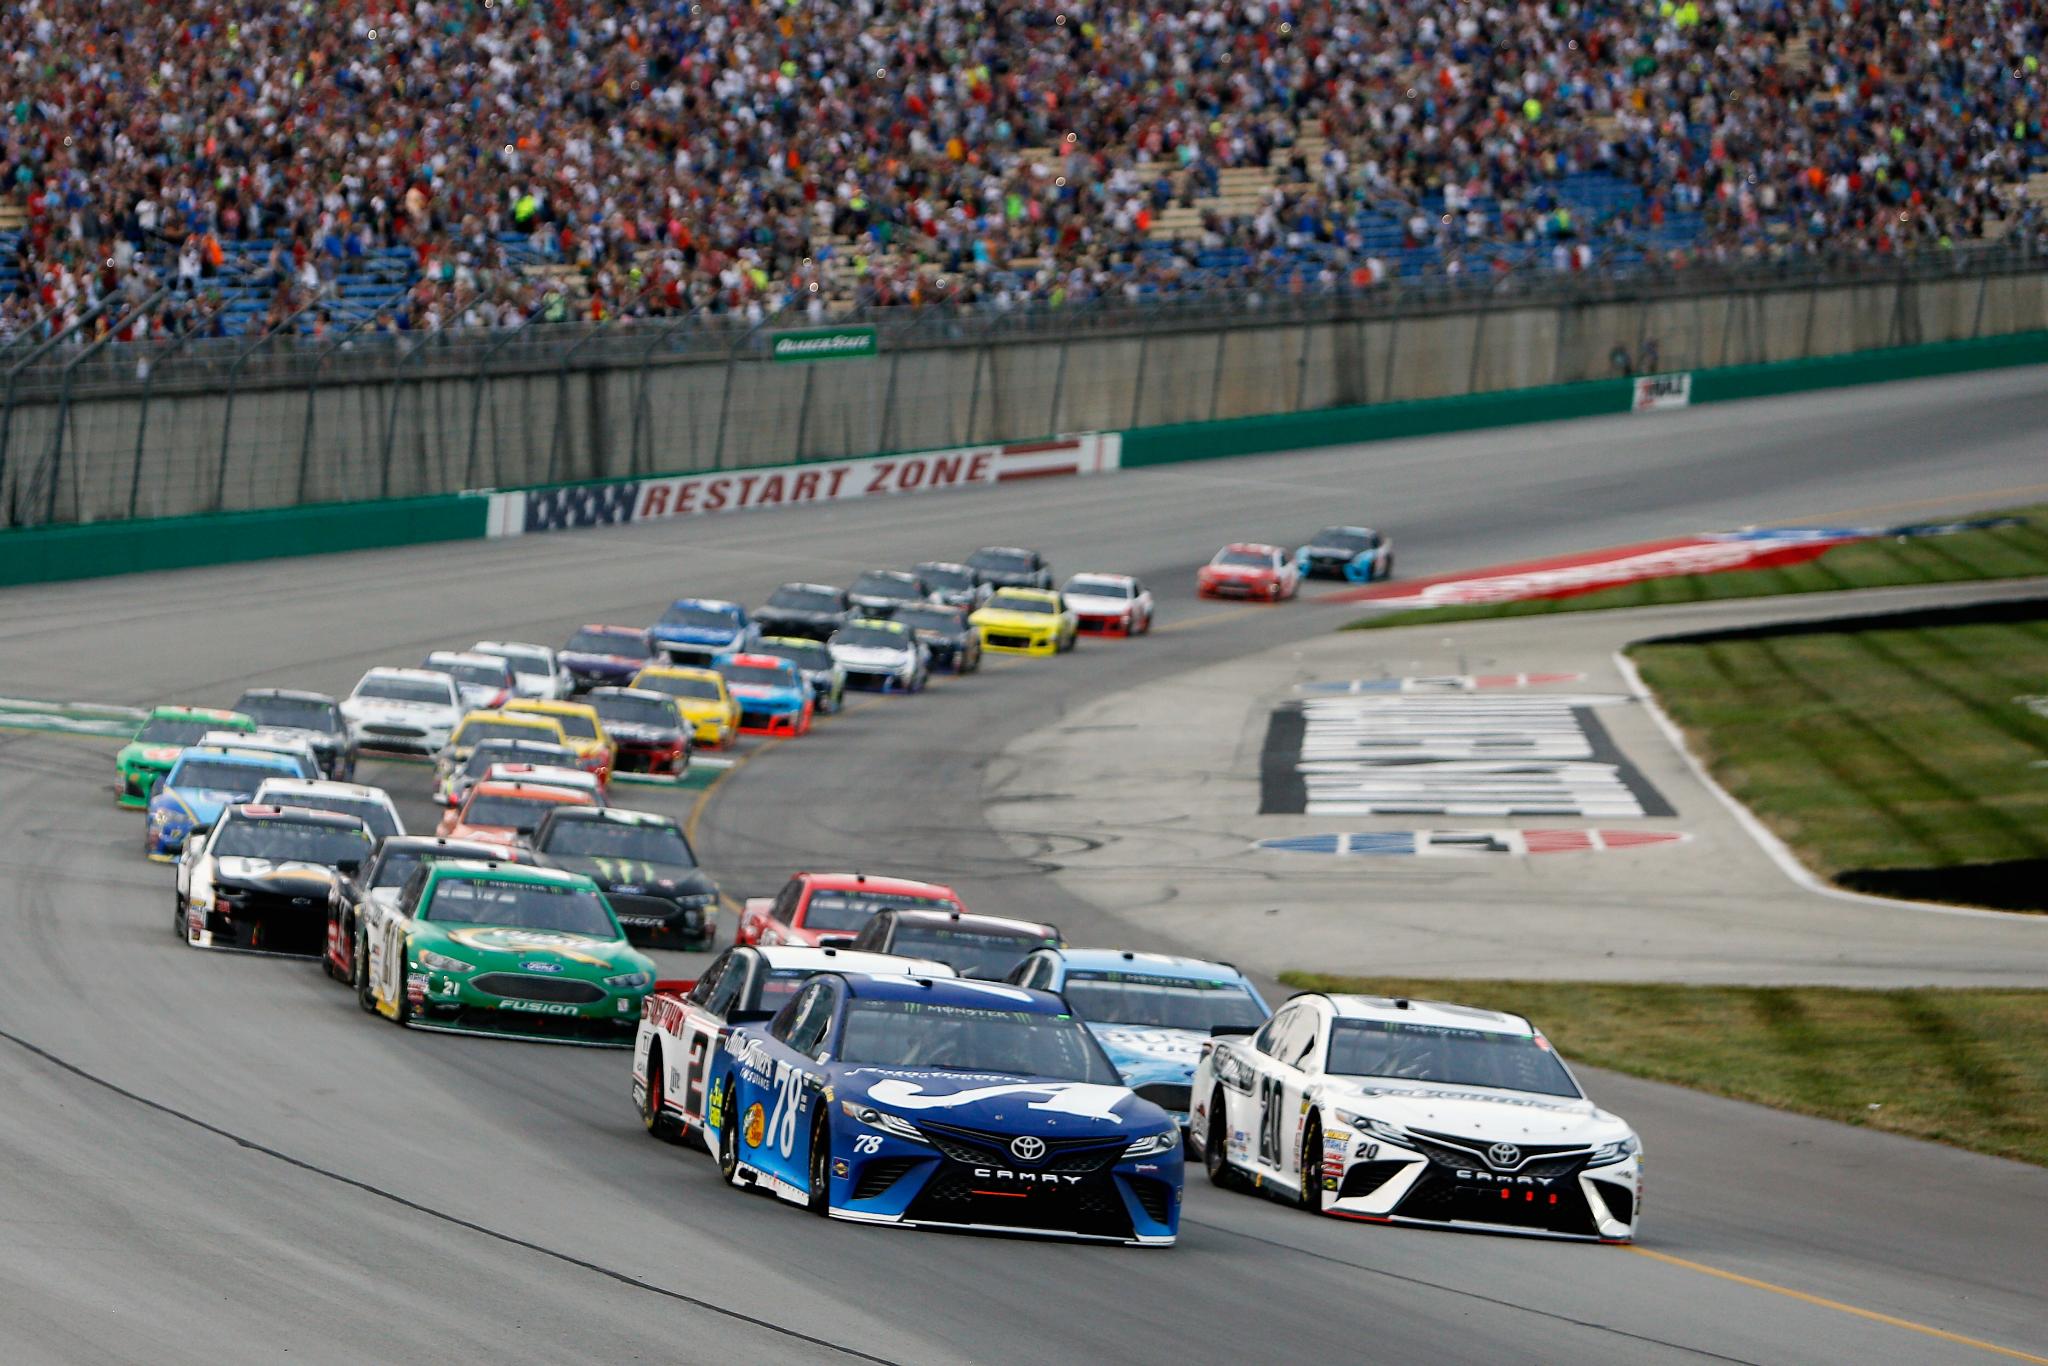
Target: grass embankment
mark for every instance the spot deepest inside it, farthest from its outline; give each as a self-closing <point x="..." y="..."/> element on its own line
<point x="2004" y="553"/>
<point x="1964" y="1067"/>
<point x="1906" y="762"/>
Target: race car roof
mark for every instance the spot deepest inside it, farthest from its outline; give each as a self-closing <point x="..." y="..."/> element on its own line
<point x="268" y="760"/>
<point x="637" y="694"/>
<point x="522" y="647"/>
<point x="323" y="787"/>
<point x="442" y="845"/>
<point x="797" y="957"/>
<point x="299" y="814"/>
<point x="1026" y="594"/>
<point x="1255" y="547"/>
<point x="710" y="605"/>
<point x="438" y="658"/>
<point x="612" y="815"/>
<point x="288" y="694"/>
<point x="416" y="675"/>
<point x="1148" y="964"/>
<point x="748" y="659"/>
<point x="886" y="886"/>
<point x="1122" y="580"/>
<point x="1400" y="1009"/>
<point x="506" y="868"/>
<point x="603" y="630"/>
<point x="968" y="920"/>
<point x="537" y="792"/>
<point x="955" y="991"/>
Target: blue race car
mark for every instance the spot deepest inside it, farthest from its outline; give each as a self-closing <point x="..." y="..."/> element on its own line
<point x="774" y="696"/>
<point x="1356" y="554"/>
<point x="1151" y="1012"/>
<point x="934" y="1102"/>
<point x="202" y="784"/>
<point x="605" y="656"/>
<point x="694" y="630"/>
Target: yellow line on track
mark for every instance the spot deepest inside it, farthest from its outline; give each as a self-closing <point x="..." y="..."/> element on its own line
<point x="1889" y="1320"/>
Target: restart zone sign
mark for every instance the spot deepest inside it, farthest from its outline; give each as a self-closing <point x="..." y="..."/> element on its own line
<point x="824" y="343"/>
<point x="575" y="506"/>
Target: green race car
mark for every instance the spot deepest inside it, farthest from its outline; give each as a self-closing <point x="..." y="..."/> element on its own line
<point x="157" y="745"/>
<point x="505" y="949"/>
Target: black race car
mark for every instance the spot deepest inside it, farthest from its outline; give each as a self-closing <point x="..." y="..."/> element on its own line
<point x="954" y="644"/>
<point x="879" y="592"/>
<point x="952" y="583"/>
<point x="644" y="866"/>
<point x="805" y="609"/>
<point x="649" y="735"/>
<point x="314" y="715"/>
<point x="1009" y="566"/>
<point x="986" y="946"/>
<point x="1356" y="553"/>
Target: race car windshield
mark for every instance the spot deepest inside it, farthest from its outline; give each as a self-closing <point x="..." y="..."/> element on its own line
<point x="885" y="586"/>
<point x="574" y="724"/>
<point x="523" y="665"/>
<point x="680" y="615"/>
<point x="288" y="841"/>
<point x="394" y="866"/>
<point x="371" y="814"/>
<point x="523" y="814"/>
<point x="1001" y="562"/>
<point x="293" y="713"/>
<point x="805" y="600"/>
<point x="198" y="775"/>
<point x="621" y="840"/>
<point x="625" y="646"/>
<point x="1447" y="1057"/>
<point x="520" y="905"/>
<point x="972" y="1039"/>
<point x="873" y="637"/>
<point x="516" y="752"/>
<point x="635" y="711"/>
<point x="930" y="619"/>
<point x="1097" y="588"/>
<point x="940" y="576"/>
<point x="1248" y="558"/>
<point x="829" y="910"/>
<point x="476" y="732"/>
<point x="1160" y="1002"/>
<point x="1036" y="606"/>
<point x="404" y="690"/>
<point x="677" y="686"/>
<point x="163" y="730"/>
<point x="971" y="953"/>
<point x="814" y="657"/>
<point x="473" y="673"/>
<point x="1340" y="538"/>
<point x="758" y="675"/>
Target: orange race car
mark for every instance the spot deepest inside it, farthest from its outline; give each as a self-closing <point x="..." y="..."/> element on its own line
<point x="507" y="813"/>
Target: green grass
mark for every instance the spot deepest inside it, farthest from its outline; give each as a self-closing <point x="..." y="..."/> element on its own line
<point x="2006" y="553"/>
<point x="1875" y="749"/>
<point x="1963" y="1067"/>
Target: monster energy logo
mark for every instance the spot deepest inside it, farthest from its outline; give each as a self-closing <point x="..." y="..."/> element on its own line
<point x="623" y="870"/>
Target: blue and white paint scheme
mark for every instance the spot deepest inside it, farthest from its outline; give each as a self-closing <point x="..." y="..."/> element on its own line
<point x="1152" y="1012"/>
<point x="1356" y="554"/>
<point x="693" y="630"/>
<point x="202" y="784"/>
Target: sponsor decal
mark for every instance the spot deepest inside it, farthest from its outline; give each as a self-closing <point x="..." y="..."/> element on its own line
<point x="1471" y="843"/>
<point x="575" y="506"/>
<point x="536" y="965"/>
<point x="839" y="1167"/>
<point x="540" y="1007"/>
<point x="1086" y="1099"/>
<point x="824" y="343"/>
<point x="1656" y="393"/>
<point x="757" y="1125"/>
<point x="1564" y="576"/>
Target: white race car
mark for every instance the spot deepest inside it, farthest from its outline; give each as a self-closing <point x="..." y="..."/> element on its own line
<point x="1416" y="1112"/>
<point x="371" y="805"/>
<point x="484" y="681"/>
<point x="411" y="710"/>
<point x="535" y="670"/>
<point x="1109" y="604"/>
<point x="266" y="877"/>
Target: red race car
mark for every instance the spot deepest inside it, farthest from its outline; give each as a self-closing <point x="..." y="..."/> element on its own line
<point x="1247" y="569"/>
<point x="829" y="909"/>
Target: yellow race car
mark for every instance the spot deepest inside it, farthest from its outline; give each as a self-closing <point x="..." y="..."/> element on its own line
<point x="701" y="696"/>
<point x="478" y="726"/>
<point x="1026" y="621"/>
<point x="579" y="721"/>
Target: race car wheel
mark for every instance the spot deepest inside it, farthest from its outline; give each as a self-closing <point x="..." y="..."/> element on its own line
<point x="1311" y="1170"/>
<point x="364" y="997"/>
<point x="177" y="915"/>
<point x="402" y="1007"/>
<point x="729" y="1147"/>
<point x="1387" y="567"/>
<point x="820" y="1202"/>
<point x="662" y="1126"/>
<point x="1216" y="1149"/>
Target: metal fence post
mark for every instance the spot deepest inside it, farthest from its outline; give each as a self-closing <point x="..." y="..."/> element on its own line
<point x="732" y="359"/>
<point x="1138" y="384"/>
<point x="1059" y="389"/>
<point x="476" y="394"/>
<point x="227" y="417"/>
<point x="55" y="463"/>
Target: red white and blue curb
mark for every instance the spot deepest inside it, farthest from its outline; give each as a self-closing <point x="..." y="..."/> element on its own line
<point x="1470" y="843"/>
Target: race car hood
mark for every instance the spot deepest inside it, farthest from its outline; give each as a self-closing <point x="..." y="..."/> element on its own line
<point x="696" y="635"/>
<point x="870" y="656"/>
<point x="137" y="754"/>
<point x="634" y="876"/>
<point x="1087" y="604"/>
<point x="641" y="735"/>
<point x="1016" y="621"/>
<point x="767" y="692"/>
<point x="395" y="709"/>
<point x="498" y="947"/>
<point x="1144" y="1054"/>
<point x="1476" y="1112"/>
<point x="290" y="878"/>
<point x="1002" y="1102"/>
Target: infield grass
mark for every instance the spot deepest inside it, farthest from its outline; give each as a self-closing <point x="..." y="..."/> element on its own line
<point x="2003" y="553"/>
<point x="1963" y="1067"/>
<point x="1881" y="756"/>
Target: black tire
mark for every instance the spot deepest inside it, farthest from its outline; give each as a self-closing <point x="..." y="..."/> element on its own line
<point x="1310" y="1169"/>
<point x="364" y="996"/>
<point x="1216" y="1149"/>
<point x="660" y="1125"/>
<point x="1388" y="572"/>
<point x="820" y="1202"/>
<point x="177" y="914"/>
<point x="402" y="1006"/>
<point x="729" y="1146"/>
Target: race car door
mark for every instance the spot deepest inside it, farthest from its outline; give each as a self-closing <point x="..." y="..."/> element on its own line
<point x="1279" y="1089"/>
<point x="779" y="1086"/>
<point x="709" y="1003"/>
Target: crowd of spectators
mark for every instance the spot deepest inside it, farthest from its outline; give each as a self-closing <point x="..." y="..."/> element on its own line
<point x="506" y="161"/>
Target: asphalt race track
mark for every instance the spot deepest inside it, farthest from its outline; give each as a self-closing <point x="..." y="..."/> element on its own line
<point x="214" y="1156"/>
